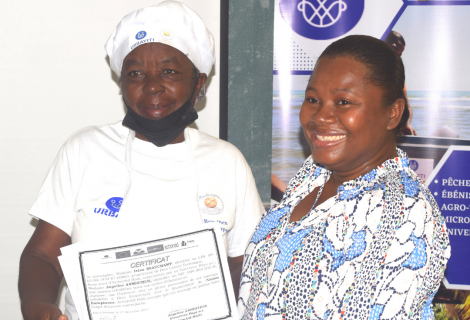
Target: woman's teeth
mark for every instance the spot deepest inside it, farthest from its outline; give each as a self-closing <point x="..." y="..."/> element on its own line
<point x="330" y="138"/>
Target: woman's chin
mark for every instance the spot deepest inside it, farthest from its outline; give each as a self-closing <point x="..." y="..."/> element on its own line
<point x="327" y="158"/>
<point x="154" y="113"/>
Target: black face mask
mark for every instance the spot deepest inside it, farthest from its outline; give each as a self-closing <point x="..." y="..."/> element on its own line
<point x="162" y="131"/>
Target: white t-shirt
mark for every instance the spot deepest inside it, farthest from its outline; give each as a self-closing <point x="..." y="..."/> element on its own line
<point x="203" y="178"/>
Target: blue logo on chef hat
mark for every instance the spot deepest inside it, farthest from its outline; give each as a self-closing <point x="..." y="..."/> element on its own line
<point x="114" y="204"/>
<point x="414" y="165"/>
<point x="321" y="19"/>
<point x="140" y="35"/>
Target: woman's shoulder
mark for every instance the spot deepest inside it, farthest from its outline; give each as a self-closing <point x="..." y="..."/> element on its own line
<point x="413" y="186"/>
<point x="217" y="148"/>
<point x="99" y="134"/>
<point x="97" y="138"/>
<point x="419" y="200"/>
<point x="422" y="211"/>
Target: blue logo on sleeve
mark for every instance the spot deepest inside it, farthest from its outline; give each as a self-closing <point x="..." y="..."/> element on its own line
<point x="140" y="35"/>
<point x="113" y="205"/>
<point x="321" y="19"/>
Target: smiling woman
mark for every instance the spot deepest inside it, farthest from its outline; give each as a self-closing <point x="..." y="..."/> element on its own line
<point x="153" y="68"/>
<point x="344" y="118"/>
<point x="150" y="171"/>
<point x="159" y="83"/>
<point x="357" y="234"/>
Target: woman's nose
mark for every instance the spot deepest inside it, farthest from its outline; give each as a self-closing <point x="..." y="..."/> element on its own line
<point x="153" y="85"/>
<point x="324" y="115"/>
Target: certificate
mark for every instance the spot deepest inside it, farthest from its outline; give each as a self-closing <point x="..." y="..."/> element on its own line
<point x="180" y="277"/>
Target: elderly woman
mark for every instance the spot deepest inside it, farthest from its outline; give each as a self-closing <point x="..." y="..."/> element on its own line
<point x="357" y="234"/>
<point x="149" y="172"/>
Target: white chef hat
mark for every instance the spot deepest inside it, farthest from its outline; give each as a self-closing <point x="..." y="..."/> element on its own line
<point x="170" y="22"/>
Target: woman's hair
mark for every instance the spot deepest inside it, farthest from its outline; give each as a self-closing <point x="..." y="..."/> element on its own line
<point x="384" y="65"/>
<point x="394" y="37"/>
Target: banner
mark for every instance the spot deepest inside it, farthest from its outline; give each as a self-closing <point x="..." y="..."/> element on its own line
<point x="433" y="39"/>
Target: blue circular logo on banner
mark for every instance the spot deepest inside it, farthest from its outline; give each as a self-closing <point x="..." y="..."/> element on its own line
<point x="321" y="19"/>
<point x="114" y="204"/>
<point x="140" y="35"/>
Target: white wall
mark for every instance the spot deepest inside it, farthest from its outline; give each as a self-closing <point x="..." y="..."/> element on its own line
<point x="54" y="80"/>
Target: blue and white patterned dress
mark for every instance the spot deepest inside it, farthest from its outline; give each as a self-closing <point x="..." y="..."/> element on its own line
<point x="376" y="250"/>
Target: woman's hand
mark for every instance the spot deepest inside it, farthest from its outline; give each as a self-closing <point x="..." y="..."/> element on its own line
<point x="40" y="273"/>
<point x="42" y="311"/>
<point x="235" y="265"/>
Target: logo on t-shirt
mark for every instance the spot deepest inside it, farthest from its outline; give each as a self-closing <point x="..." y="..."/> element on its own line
<point x="113" y="206"/>
<point x="210" y="204"/>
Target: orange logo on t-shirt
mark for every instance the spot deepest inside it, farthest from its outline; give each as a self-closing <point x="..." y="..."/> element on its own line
<point x="210" y="202"/>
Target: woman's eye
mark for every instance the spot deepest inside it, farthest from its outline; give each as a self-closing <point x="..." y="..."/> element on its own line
<point x="343" y="102"/>
<point x="169" y="71"/>
<point x="135" y="73"/>
<point x="312" y="100"/>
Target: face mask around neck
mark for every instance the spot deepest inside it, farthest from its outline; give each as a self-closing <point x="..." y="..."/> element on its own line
<point x="161" y="131"/>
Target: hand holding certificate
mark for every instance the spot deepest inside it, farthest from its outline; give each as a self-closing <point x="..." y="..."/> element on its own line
<point x="180" y="277"/>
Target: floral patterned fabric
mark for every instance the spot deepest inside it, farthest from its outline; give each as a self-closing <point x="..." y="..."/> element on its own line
<point x="376" y="250"/>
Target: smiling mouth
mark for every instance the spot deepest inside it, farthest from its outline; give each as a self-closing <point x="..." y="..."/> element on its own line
<point x="330" y="138"/>
<point x="155" y="107"/>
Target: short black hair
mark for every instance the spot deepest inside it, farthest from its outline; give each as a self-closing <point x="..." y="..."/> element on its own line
<point x="384" y="65"/>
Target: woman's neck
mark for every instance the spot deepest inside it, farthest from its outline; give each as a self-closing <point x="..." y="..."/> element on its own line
<point x="337" y="177"/>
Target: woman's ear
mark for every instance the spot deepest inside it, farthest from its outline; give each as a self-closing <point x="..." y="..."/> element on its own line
<point x="200" y="83"/>
<point x="396" y="111"/>
<point x="202" y="80"/>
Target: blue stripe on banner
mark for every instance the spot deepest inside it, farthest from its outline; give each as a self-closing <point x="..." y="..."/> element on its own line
<point x="437" y="3"/>
<point x="296" y="72"/>
<point x="394" y="21"/>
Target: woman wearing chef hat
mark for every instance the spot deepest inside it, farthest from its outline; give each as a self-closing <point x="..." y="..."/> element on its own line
<point x="150" y="171"/>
